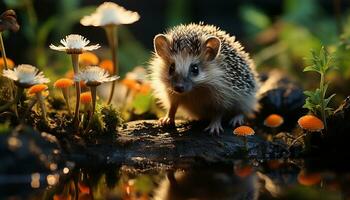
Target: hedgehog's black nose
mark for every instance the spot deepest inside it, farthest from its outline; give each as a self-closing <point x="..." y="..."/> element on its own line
<point x="179" y="88"/>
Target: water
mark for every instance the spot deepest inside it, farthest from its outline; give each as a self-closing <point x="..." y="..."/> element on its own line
<point x="276" y="179"/>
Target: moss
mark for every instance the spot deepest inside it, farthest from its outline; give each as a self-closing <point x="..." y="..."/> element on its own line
<point x="111" y="118"/>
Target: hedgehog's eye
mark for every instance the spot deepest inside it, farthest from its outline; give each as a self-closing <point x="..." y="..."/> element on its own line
<point x="172" y="68"/>
<point x="194" y="69"/>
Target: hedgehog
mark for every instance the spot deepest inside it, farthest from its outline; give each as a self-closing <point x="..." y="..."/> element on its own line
<point x="205" y="73"/>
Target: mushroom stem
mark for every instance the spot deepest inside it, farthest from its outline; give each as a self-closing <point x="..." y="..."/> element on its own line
<point x="245" y="143"/>
<point x="3" y="52"/>
<point x="93" y="96"/>
<point x="40" y="98"/>
<point x="112" y="37"/>
<point x="65" y="93"/>
<point x="75" y="61"/>
<point x="30" y="105"/>
<point x="18" y="98"/>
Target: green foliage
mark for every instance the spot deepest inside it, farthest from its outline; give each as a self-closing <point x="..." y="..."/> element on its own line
<point x="142" y="103"/>
<point x="97" y="123"/>
<point x="111" y="118"/>
<point x="255" y="20"/>
<point x="5" y="128"/>
<point x="316" y="101"/>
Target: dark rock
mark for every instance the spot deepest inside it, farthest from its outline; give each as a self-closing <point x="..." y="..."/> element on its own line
<point x="144" y="145"/>
<point x="280" y="95"/>
<point x="336" y="140"/>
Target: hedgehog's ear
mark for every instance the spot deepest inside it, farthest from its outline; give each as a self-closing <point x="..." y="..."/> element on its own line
<point x="212" y="48"/>
<point x="162" y="46"/>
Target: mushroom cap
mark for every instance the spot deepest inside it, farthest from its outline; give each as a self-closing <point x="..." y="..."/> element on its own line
<point x="309" y="179"/>
<point x="243" y="131"/>
<point x="145" y="88"/>
<point x="69" y="74"/>
<point x="131" y="84"/>
<point x="10" y="63"/>
<point x="37" y="88"/>
<point x="63" y="83"/>
<point x="85" y="97"/>
<point x="107" y="65"/>
<point x="310" y="123"/>
<point x="88" y="58"/>
<point x="273" y="121"/>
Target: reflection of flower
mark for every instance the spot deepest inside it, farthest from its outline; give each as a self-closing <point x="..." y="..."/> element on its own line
<point x="273" y="121"/>
<point x="75" y="44"/>
<point x="94" y="76"/>
<point x="309" y="179"/>
<point x="110" y="13"/>
<point x="26" y="75"/>
<point x="8" y="21"/>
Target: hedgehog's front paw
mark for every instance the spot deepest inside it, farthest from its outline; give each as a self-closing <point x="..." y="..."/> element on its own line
<point x="166" y="121"/>
<point x="215" y="128"/>
<point x="237" y="120"/>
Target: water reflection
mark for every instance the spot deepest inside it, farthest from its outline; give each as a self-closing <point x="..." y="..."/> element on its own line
<point x="241" y="180"/>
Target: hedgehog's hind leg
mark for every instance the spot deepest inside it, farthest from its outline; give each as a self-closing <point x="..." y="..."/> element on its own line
<point x="237" y="120"/>
<point x="215" y="127"/>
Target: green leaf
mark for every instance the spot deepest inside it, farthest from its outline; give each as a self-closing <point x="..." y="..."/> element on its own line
<point x="311" y="68"/>
<point x="327" y="100"/>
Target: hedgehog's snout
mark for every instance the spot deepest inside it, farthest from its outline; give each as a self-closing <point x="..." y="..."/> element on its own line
<point x="180" y="84"/>
<point x="179" y="88"/>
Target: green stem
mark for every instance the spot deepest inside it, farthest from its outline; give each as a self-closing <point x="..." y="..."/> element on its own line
<point x="323" y="113"/>
<point x="17" y="98"/>
<point x="65" y="93"/>
<point x="93" y="95"/>
<point x="112" y="37"/>
<point x="40" y="98"/>
<point x="75" y="61"/>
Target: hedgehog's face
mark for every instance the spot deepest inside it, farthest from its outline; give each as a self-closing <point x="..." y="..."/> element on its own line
<point x="185" y="70"/>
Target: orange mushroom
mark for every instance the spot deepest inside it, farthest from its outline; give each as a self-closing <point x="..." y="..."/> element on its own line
<point x="88" y="58"/>
<point x="9" y="62"/>
<point x="85" y="98"/>
<point x="309" y="179"/>
<point x="107" y="65"/>
<point x="273" y="121"/>
<point x="310" y="123"/>
<point x="37" y="90"/>
<point x="131" y="84"/>
<point x="243" y="171"/>
<point x="64" y="84"/>
<point x="243" y="131"/>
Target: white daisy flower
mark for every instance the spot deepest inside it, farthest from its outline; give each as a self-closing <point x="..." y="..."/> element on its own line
<point x="75" y="44"/>
<point x="110" y="13"/>
<point x="94" y="76"/>
<point x="26" y="75"/>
